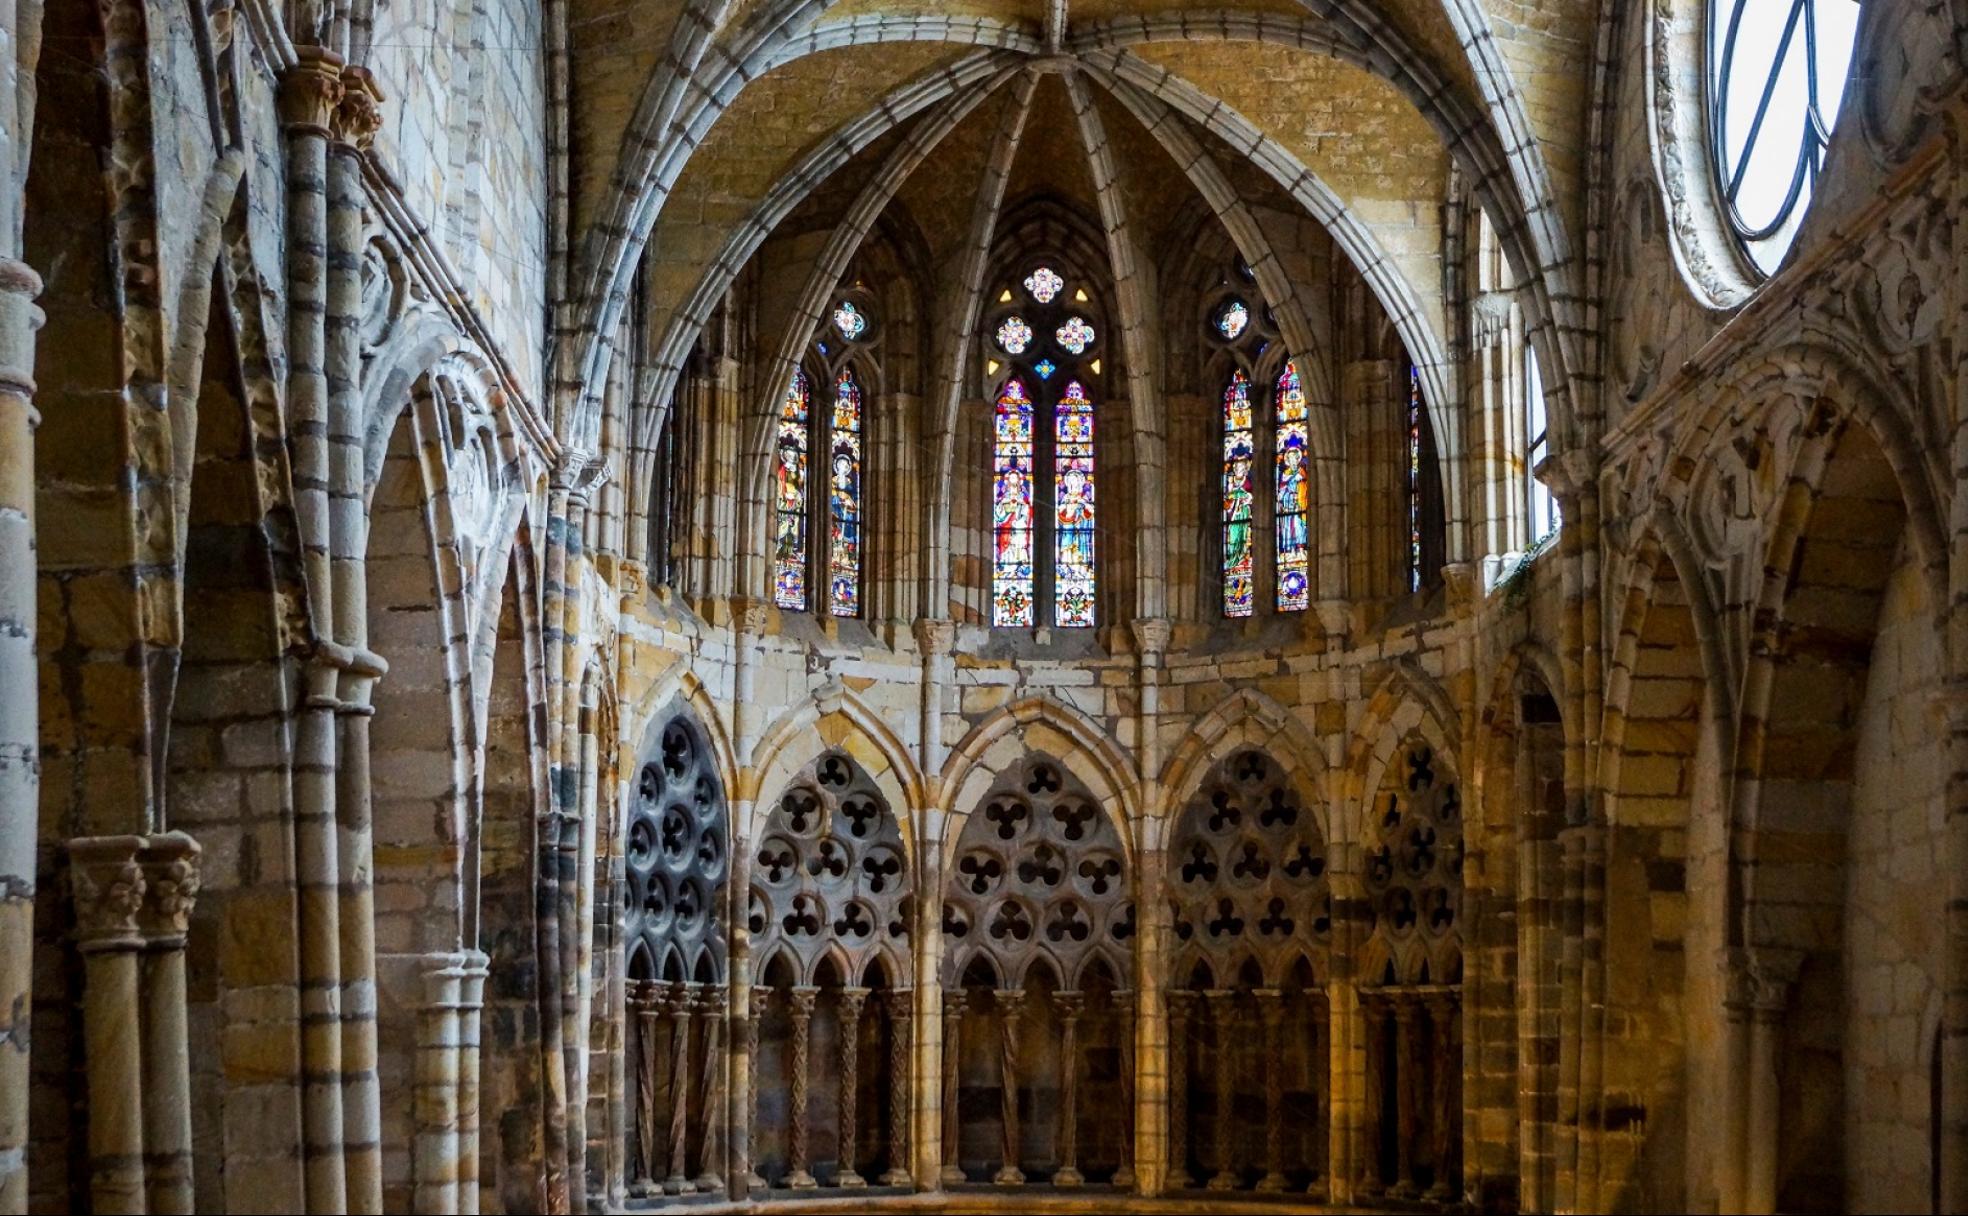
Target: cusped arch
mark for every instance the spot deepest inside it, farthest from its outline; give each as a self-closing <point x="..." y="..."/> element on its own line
<point x="1246" y="719"/>
<point x="834" y="718"/>
<point x="1405" y="701"/>
<point x="679" y="687"/>
<point x="1044" y="725"/>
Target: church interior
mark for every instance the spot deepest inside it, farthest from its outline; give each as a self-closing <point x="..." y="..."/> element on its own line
<point x="983" y="605"/>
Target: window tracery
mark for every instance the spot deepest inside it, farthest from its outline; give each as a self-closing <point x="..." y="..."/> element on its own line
<point x="1038" y="925"/>
<point x="1043" y="451"/>
<point x="840" y="357"/>
<point x="1253" y="928"/>
<point x="1776" y="78"/>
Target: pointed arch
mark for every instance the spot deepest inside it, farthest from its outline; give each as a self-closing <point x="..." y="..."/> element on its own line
<point x="1405" y="701"/>
<point x="834" y="717"/>
<point x="1247" y="718"/>
<point x="679" y="684"/>
<point x="1039" y="724"/>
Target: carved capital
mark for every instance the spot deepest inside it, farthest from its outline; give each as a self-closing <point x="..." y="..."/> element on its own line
<point x="1270" y="1006"/>
<point x="1069" y="1004"/>
<point x="851" y="1001"/>
<point x="900" y="1003"/>
<point x="1009" y="1001"/>
<point x="1459" y="578"/>
<point x="804" y="997"/>
<point x="170" y="869"/>
<point x="750" y="614"/>
<point x="359" y="114"/>
<point x="310" y="91"/>
<point x="935" y="636"/>
<point x="1151" y="635"/>
<point x="108" y="888"/>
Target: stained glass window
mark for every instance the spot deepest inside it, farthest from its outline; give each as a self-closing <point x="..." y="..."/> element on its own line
<point x="1014" y="335"/>
<point x="1073" y="492"/>
<point x="1232" y="319"/>
<point x="1044" y="283"/>
<point x="789" y="497"/>
<point x="1045" y="368"/>
<point x="1012" y="564"/>
<point x="1239" y="554"/>
<point x="1294" y="472"/>
<point x="1076" y="335"/>
<point x="844" y="500"/>
<point x="1414" y="479"/>
<point x="851" y="321"/>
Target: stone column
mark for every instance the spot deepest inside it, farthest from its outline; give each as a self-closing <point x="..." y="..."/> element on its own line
<point x="1373" y="1013"/>
<point x="1123" y="1012"/>
<point x="357" y="117"/>
<point x="710" y="1009"/>
<point x="1407" y="1096"/>
<point x="1223" y="1016"/>
<point x="898" y="1003"/>
<point x="682" y="998"/>
<point x="170" y="870"/>
<point x="1181" y="1006"/>
<point x="1731" y="1162"/>
<point x="20" y="729"/>
<point x="1322" y="1090"/>
<point x="1009" y="1001"/>
<point x="1445" y="1138"/>
<point x="646" y="1004"/>
<point x="108" y="888"/>
<point x="310" y="90"/>
<point x="798" y="1176"/>
<point x="437" y="1101"/>
<point x="471" y="1000"/>
<point x="954" y="1001"/>
<point x="1271" y="1013"/>
<point x="851" y="1002"/>
<point x="1770" y="999"/>
<point x="1070" y="1006"/>
<point x="761" y="996"/>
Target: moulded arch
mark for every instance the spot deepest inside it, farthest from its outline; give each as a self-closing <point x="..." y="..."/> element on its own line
<point x="1405" y="702"/>
<point x="834" y="718"/>
<point x="681" y="686"/>
<point x="1038" y="724"/>
<point x="1246" y="719"/>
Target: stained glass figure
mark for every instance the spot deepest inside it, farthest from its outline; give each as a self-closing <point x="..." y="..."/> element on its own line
<point x="1044" y="283"/>
<point x="1011" y="508"/>
<point x="1414" y="479"/>
<point x="844" y="500"/>
<point x="850" y="320"/>
<point x="1014" y="335"/>
<point x="789" y="497"/>
<point x="1239" y="573"/>
<point x="1076" y="335"/>
<point x="1073" y="495"/>
<point x="1294" y="502"/>
<point x="1045" y="368"/>
<point x="1232" y="320"/>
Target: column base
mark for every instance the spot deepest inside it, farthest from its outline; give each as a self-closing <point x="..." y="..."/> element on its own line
<point x="1009" y="1175"/>
<point x="800" y="1180"/>
<point x="677" y="1184"/>
<point x="1223" y="1180"/>
<point x="1179" y="1180"/>
<point x="951" y="1176"/>
<point x="1272" y="1183"/>
<point x="709" y="1183"/>
<point x="1068" y="1176"/>
<point x="1439" y="1193"/>
<point x="1318" y="1187"/>
<point x="850" y="1180"/>
<point x="1406" y="1190"/>
<point x="754" y="1183"/>
<point x="1124" y="1178"/>
<point x="898" y="1177"/>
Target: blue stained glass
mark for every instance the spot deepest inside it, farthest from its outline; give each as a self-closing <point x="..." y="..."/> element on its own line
<point x="844" y="500"/>
<point x="1045" y="368"/>
<point x="1294" y="489"/>
<point x="1073" y="492"/>
<point x="1012" y="558"/>
<point x="789" y="553"/>
<point x="1239" y="559"/>
<point x="850" y="320"/>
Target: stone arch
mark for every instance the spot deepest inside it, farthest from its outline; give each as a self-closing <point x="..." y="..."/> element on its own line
<point x="1247" y="718"/>
<point x="1404" y="700"/>
<point x="679" y="687"/>
<point x="835" y="718"/>
<point x="1038" y="724"/>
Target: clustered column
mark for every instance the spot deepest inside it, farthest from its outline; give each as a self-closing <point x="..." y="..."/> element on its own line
<point x="133" y="900"/>
<point x="444" y="1155"/>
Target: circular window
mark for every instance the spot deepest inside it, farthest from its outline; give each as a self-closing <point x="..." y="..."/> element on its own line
<point x="1776" y="73"/>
